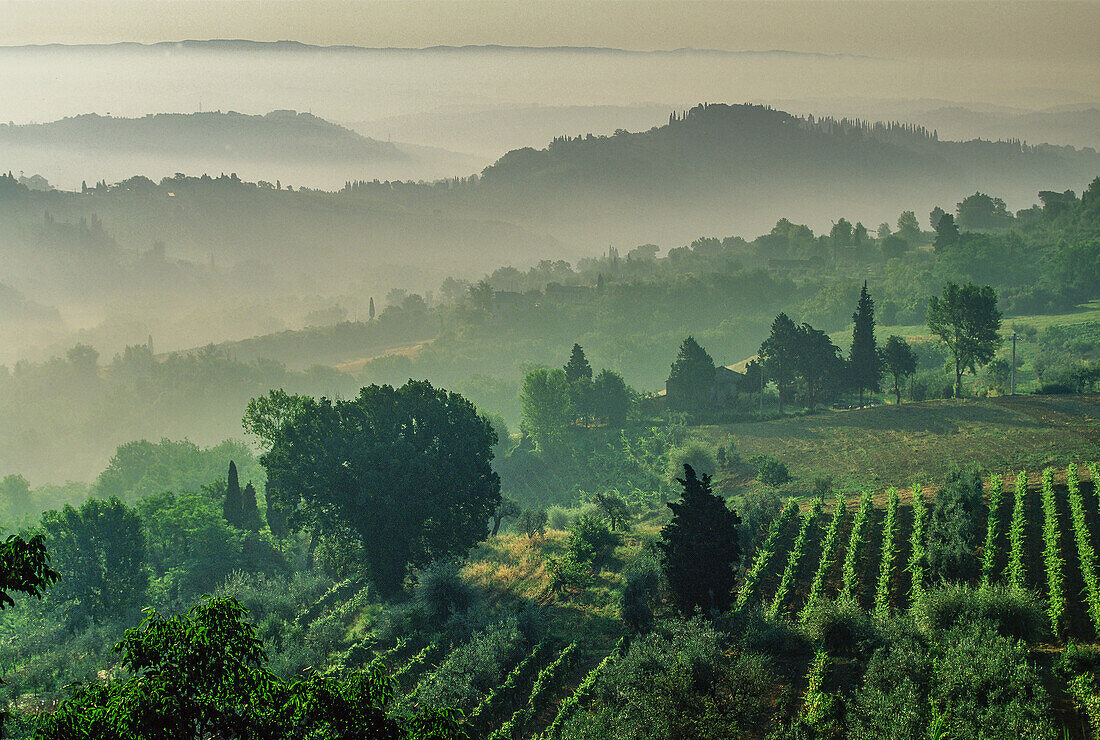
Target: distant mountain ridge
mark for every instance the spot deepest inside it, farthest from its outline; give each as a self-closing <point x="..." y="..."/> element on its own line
<point x="299" y="46"/>
<point x="281" y="134"/>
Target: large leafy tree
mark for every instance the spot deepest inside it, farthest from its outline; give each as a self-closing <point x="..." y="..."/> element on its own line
<point x="899" y="360"/>
<point x="779" y="354"/>
<point x="407" y="470"/>
<point x="699" y="547"/>
<point x="100" y="550"/>
<point x="864" y="362"/>
<point x="546" y="407"/>
<point x="693" y="371"/>
<point x="15" y="495"/>
<point x="203" y="674"/>
<point x="967" y="319"/>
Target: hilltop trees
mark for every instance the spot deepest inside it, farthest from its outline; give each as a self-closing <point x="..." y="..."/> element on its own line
<point x="406" y="470"/>
<point x="865" y="365"/>
<point x="966" y="318"/>
<point x="899" y="360"/>
<point x="699" y="547"/>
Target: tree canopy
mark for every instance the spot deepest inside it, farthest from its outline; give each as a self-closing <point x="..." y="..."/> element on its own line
<point x="407" y="470"/>
<point x="966" y="318"/>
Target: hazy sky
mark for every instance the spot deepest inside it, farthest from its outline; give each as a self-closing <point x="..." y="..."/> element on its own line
<point x="1047" y="32"/>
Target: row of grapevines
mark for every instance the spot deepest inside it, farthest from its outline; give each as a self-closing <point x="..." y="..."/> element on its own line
<point x="492" y="701"/>
<point x="851" y="558"/>
<point x="828" y="550"/>
<point x="417" y="661"/>
<point x="544" y="683"/>
<point x="996" y="494"/>
<point x="1015" y="567"/>
<point x="886" y="568"/>
<point x="1085" y="552"/>
<point x="1086" y="694"/>
<point x="916" y="546"/>
<point x="584" y="690"/>
<point x="1094" y="468"/>
<point x="765" y="553"/>
<point x="791" y="570"/>
<point x="815" y="705"/>
<point x="1052" y="554"/>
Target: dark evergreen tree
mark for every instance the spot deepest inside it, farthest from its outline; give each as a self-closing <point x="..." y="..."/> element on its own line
<point x="578" y="366"/>
<point x="692" y="374"/>
<point x="699" y="547"/>
<point x="233" y="508"/>
<point x="250" y="512"/>
<point x="372" y="308"/>
<point x="818" y="363"/>
<point x="779" y="354"/>
<point x="865" y="364"/>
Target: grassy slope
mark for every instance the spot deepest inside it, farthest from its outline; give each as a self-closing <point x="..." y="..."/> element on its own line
<point x="893" y="445"/>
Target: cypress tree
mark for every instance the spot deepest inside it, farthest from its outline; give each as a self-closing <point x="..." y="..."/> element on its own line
<point x="692" y="371"/>
<point x="250" y="512"/>
<point x="578" y="366"/>
<point x="699" y="547"/>
<point x="372" y="308"/>
<point x="232" y="507"/>
<point x="865" y="362"/>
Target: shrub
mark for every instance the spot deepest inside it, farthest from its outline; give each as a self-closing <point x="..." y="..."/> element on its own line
<point x="641" y="587"/>
<point x="1012" y="612"/>
<point x="532" y="522"/>
<point x="770" y="471"/>
<point x="592" y="542"/>
<point x="838" y="625"/>
<point x="953" y="534"/>
<point x="442" y="592"/>
<point x="758" y="511"/>
<point x="696" y="453"/>
<point x="559" y="518"/>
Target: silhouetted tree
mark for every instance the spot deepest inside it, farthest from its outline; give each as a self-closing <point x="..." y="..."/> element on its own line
<point x="779" y="354"/>
<point x="818" y="363"/>
<point x="864" y="362"/>
<point x="250" y="511"/>
<point x="233" y="506"/>
<point x="699" y="547"/>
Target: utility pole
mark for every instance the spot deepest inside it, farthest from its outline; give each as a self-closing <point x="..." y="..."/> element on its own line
<point x="1013" y="362"/>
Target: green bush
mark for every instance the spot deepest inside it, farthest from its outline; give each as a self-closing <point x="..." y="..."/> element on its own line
<point x="1012" y="612"/>
<point x="839" y="625"/>
<point x="592" y="541"/>
<point x="443" y="592"/>
<point x="953" y="531"/>
<point x="696" y="453"/>
<point x="771" y="472"/>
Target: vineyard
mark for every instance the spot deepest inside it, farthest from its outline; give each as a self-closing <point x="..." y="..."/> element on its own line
<point x="1038" y="531"/>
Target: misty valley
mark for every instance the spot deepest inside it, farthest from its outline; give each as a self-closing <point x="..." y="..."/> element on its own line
<point x="484" y="407"/>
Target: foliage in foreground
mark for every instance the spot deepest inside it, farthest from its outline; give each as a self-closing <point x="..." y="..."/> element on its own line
<point x="203" y="675"/>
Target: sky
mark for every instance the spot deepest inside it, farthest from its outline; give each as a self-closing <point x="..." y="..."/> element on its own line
<point x="1045" y="32"/>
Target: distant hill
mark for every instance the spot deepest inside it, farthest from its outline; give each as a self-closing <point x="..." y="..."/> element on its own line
<point x="732" y="168"/>
<point x="279" y="135"/>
